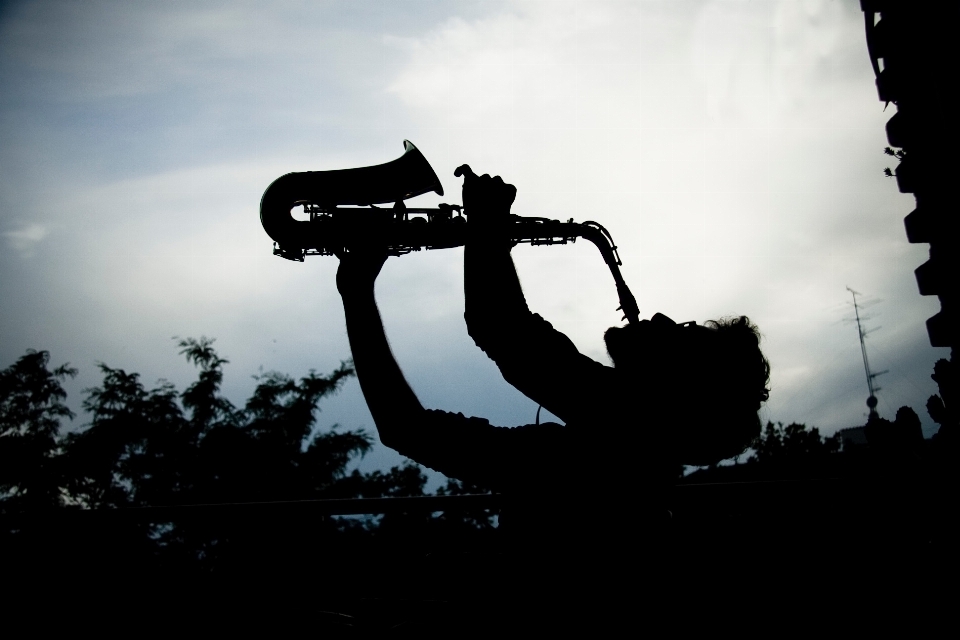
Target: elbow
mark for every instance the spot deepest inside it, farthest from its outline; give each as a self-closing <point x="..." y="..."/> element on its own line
<point x="484" y="329"/>
<point x="390" y="437"/>
<point x="397" y="427"/>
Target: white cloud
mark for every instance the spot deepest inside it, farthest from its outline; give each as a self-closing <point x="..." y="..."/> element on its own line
<point x="26" y="238"/>
<point x="732" y="148"/>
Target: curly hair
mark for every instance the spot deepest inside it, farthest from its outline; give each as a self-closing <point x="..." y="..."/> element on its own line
<point x="721" y="358"/>
<point x="738" y="377"/>
<point x="742" y="362"/>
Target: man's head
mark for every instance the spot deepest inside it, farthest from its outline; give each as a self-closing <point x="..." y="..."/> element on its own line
<point x="709" y="380"/>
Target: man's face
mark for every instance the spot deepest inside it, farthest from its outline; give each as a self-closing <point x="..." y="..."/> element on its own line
<point x="658" y="342"/>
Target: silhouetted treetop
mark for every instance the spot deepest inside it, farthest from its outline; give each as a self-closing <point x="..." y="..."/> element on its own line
<point x="158" y="446"/>
<point x="202" y="397"/>
<point x="31" y="408"/>
<point x="795" y="441"/>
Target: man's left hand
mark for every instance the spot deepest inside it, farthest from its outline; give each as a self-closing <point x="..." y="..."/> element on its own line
<point x="358" y="271"/>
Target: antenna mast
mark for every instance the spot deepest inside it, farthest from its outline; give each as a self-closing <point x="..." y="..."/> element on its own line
<point x="872" y="399"/>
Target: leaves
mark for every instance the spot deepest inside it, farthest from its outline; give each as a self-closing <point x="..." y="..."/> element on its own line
<point x="899" y="154"/>
<point x="202" y="397"/>
<point x="159" y="446"/>
<point x="31" y="397"/>
<point x="153" y="446"/>
<point x="794" y="442"/>
<point x="31" y="408"/>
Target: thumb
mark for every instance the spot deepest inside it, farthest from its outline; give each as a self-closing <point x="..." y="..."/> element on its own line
<point x="465" y="171"/>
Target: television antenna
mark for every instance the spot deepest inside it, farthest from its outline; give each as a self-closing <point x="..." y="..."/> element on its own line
<point x="871" y="385"/>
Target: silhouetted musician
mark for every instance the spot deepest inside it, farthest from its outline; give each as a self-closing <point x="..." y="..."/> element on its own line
<point x="595" y="489"/>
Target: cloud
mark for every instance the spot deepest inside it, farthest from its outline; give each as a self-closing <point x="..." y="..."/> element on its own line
<point x="732" y="148"/>
<point x="25" y="239"/>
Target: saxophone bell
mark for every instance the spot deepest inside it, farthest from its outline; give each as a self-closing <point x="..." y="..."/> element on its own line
<point x="321" y="193"/>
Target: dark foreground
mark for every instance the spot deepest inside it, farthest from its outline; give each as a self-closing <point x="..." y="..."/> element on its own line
<point x="756" y="557"/>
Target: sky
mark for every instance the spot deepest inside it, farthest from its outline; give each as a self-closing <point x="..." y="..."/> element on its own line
<point x="733" y="148"/>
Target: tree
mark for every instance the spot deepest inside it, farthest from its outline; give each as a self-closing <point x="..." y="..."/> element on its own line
<point x="153" y="447"/>
<point x="131" y="451"/>
<point x="793" y="443"/>
<point x="160" y="446"/>
<point x="31" y="408"/>
<point x="791" y="452"/>
<point x="943" y="407"/>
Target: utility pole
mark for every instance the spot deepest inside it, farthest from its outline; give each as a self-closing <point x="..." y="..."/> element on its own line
<point x="872" y="398"/>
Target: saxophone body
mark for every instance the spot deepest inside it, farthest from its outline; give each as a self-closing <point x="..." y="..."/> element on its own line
<point x="339" y="211"/>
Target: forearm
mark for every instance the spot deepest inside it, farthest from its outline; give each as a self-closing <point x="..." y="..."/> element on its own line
<point x="538" y="360"/>
<point x="493" y="297"/>
<point x="392" y="402"/>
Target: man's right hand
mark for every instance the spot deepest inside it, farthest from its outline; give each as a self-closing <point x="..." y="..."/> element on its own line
<point x="486" y="200"/>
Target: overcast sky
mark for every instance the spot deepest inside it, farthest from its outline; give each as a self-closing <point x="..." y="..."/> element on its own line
<point x="732" y="148"/>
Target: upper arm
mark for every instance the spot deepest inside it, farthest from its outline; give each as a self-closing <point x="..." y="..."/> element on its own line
<point x="472" y="450"/>
<point x="538" y="360"/>
<point x="544" y="364"/>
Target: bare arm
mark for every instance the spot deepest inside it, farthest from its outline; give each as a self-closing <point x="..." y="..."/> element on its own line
<point x="392" y="402"/>
<point x="493" y="297"/>
<point x="466" y="448"/>
<point x="538" y="360"/>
